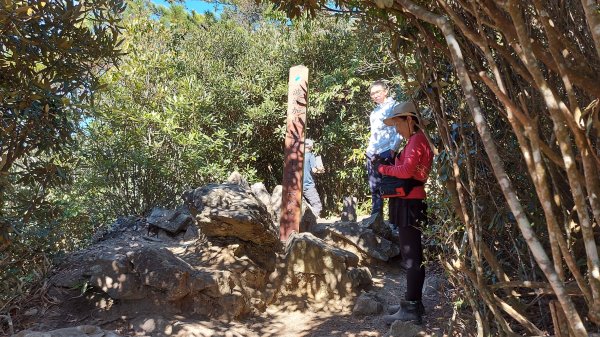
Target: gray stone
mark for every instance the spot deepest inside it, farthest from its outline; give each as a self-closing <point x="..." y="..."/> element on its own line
<point x="113" y="274"/>
<point x="379" y="227"/>
<point x="151" y="326"/>
<point x="228" y="210"/>
<point x="308" y="254"/>
<point x="367" y="305"/>
<point x="364" y="239"/>
<point x="318" y="270"/>
<point x="261" y="193"/>
<point x="361" y="277"/>
<point x="237" y="179"/>
<point x="191" y="233"/>
<point x="276" y="197"/>
<point x="172" y="221"/>
<point x="405" y="329"/>
<point x="308" y="221"/>
<point x="161" y="270"/>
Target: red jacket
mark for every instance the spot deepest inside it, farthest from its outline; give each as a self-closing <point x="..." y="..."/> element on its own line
<point x="413" y="162"/>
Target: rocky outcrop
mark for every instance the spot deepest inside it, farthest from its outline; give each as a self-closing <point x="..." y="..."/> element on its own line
<point x="219" y="255"/>
<point x="365" y="239"/>
<point x="315" y="269"/>
<point x="230" y="210"/>
<point x="149" y="273"/>
<point x="369" y="238"/>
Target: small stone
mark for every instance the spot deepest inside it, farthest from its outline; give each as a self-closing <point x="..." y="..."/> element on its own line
<point x="366" y="305"/>
<point x="31" y="312"/>
<point x="405" y="329"/>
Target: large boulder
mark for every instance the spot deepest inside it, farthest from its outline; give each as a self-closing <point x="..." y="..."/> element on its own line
<point x="132" y="274"/>
<point x="152" y="277"/>
<point x="313" y="268"/>
<point x="230" y="210"/>
<point x="364" y="239"/>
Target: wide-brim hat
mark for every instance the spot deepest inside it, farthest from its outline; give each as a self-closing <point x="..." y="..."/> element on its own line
<point x="404" y="109"/>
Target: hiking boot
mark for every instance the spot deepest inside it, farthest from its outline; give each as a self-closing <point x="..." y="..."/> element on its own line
<point x="395" y="307"/>
<point x="410" y="311"/>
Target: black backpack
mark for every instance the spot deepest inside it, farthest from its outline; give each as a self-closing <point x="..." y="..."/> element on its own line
<point x="391" y="187"/>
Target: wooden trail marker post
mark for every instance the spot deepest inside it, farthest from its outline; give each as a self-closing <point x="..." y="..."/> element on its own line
<point x="293" y="167"/>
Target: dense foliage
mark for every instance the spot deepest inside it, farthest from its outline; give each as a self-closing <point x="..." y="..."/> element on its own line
<point x="51" y="53"/>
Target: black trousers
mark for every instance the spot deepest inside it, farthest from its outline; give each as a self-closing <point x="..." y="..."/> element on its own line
<point x="410" y="215"/>
<point x="374" y="181"/>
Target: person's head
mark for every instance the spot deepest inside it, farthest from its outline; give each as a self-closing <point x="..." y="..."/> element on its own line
<point x="405" y="119"/>
<point x="378" y="91"/>
<point x="308" y="144"/>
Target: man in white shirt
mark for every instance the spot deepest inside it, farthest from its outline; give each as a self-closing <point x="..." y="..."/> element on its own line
<point x="383" y="142"/>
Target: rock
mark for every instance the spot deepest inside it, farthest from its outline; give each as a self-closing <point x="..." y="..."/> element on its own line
<point x="367" y="305"/>
<point x="80" y="331"/>
<point x="116" y="229"/>
<point x="361" y="277"/>
<point x="31" y="312"/>
<point x="434" y="285"/>
<point x="261" y="193"/>
<point x="379" y="227"/>
<point x="308" y="221"/>
<point x="151" y="326"/>
<point x="364" y="239"/>
<point x="318" y="270"/>
<point x="191" y="233"/>
<point x="308" y="254"/>
<point x="276" y="197"/>
<point x="161" y="270"/>
<point x="405" y="329"/>
<point x="113" y="273"/>
<point x="237" y="179"/>
<point x="172" y="221"/>
<point x="228" y="210"/>
<point x="319" y="230"/>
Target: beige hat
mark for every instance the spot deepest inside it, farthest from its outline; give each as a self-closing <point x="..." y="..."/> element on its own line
<point x="403" y="109"/>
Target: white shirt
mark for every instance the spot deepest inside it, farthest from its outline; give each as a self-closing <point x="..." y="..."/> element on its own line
<point x="382" y="137"/>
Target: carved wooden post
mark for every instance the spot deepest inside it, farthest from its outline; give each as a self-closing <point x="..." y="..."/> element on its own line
<point x="291" y="200"/>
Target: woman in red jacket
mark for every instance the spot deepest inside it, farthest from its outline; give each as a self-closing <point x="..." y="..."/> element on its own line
<point x="409" y="212"/>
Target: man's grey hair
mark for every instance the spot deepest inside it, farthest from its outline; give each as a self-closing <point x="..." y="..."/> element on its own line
<point x="379" y="83"/>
